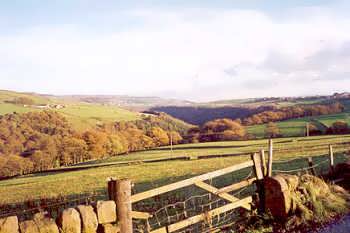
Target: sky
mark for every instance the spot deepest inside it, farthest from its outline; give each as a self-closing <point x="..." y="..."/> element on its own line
<point x="187" y="49"/>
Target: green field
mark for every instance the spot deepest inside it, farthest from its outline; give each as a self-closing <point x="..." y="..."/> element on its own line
<point x="148" y="175"/>
<point x="83" y="115"/>
<point x="80" y="115"/>
<point x="10" y="108"/>
<point x="10" y="95"/>
<point x="296" y="127"/>
<point x="289" y="128"/>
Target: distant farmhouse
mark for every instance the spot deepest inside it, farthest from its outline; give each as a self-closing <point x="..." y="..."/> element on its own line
<point x="46" y="106"/>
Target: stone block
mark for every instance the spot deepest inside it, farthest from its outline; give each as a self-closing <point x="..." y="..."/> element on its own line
<point x="29" y="226"/>
<point x="45" y="224"/>
<point x="106" y="212"/>
<point x="69" y="221"/>
<point x="88" y="218"/>
<point x="9" y="224"/>
<point x="108" y="228"/>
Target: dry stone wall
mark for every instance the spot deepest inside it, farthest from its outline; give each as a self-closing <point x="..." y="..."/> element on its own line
<point x="100" y="218"/>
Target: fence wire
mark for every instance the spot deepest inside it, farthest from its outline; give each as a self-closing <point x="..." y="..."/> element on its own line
<point x="320" y="166"/>
<point x="180" y="205"/>
<point x="52" y="206"/>
<point x="196" y="203"/>
<point x="303" y="169"/>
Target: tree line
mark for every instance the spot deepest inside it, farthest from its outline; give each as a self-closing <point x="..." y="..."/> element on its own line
<point x="37" y="141"/>
<point x="217" y="130"/>
<point x="291" y="112"/>
<point x="227" y="129"/>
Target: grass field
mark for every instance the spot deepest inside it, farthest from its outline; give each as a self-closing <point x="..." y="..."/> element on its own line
<point x="10" y="108"/>
<point x="296" y="127"/>
<point x="10" y="95"/>
<point x="148" y="175"/>
<point x="289" y="128"/>
<point x="80" y="115"/>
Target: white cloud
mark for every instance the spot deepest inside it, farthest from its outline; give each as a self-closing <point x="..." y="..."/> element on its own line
<point x="199" y="54"/>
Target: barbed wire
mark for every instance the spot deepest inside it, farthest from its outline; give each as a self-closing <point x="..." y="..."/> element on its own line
<point x="300" y="169"/>
<point x="288" y="161"/>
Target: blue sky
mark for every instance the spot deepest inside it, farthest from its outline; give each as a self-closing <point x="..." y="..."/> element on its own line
<point x="196" y="50"/>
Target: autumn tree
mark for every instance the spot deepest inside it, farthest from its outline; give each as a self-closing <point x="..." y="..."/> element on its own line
<point x="159" y="136"/>
<point x="97" y="143"/>
<point x="339" y="127"/>
<point x="193" y="135"/>
<point x="217" y="130"/>
<point x="175" y="137"/>
<point x="14" y="165"/>
<point x="37" y="141"/>
<point x="72" y="150"/>
<point x="290" y="112"/>
<point x="272" y="130"/>
<point x="117" y="144"/>
<point x="22" y="100"/>
<point x="230" y="135"/>
<point x="314" y="130"/>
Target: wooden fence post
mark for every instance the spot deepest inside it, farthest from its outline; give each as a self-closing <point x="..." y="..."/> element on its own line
<point x="260" y="180"/>
<point x="124" y="207"/>
<point x="112" y="189"/>
<point x="312" y="169"/>
<point x="269" y="165"/>
<point x="331" y="158"/>
<point x="262" y="155"/>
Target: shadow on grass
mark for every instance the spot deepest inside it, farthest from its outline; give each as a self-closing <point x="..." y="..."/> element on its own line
<point x="206" y="147"/>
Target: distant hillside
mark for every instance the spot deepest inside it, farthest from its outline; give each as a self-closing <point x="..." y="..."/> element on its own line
<point x="87" y="110"/>
<point x="80" y="114"/>
<point x="129" y="102"/>
<point x="271" y="101"/>
<point x="199" y="115"/>
<point x="84" y="110"/>
<point x="202" y="112"/>
<point x="10" y="95"/>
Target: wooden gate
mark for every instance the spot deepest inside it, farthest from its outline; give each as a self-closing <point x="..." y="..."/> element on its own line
<point x="256" y="162"/>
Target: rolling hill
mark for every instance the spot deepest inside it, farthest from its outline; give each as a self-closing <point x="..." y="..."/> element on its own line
<point x="80" y="114"/>
<point x="199" y="113"/>
<point x="88" y="110"/>
<point x="296" y="127"/>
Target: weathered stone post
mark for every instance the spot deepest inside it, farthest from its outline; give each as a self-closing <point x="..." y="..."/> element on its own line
<point x="258" y="170"/>
<point x="112" y="189"/>
<point x="124" y="207"/>
<point x="278" y="199"/>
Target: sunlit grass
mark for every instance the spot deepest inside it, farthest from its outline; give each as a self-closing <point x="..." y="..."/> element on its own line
<point x="148" y="175"/>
